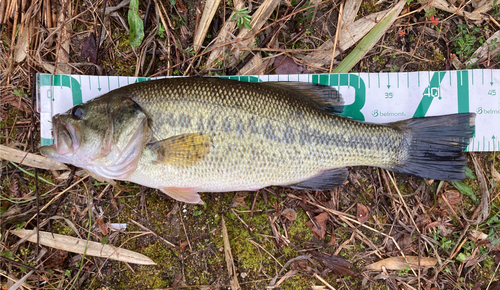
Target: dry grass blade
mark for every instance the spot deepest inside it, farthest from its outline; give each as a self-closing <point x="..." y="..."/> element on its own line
<point x="231" y="268"/>
<point x="259" y="18"/>
<point x="29" y="159"/>
<point x="370" y="39"/>
<point x="399" y="263"/>
<point x="483" y="210"/>
<point x="208" y="14"/>
<point x="63" y="38"/>
<point x="476" y="15"/>
<point x="349" y="35"/>
<point x="76" y="245"/>
<point x="225" y="34"/>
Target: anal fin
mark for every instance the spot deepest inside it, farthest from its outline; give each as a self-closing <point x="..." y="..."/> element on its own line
<point x="325" y="180"/>
<point x="184" y="194"/>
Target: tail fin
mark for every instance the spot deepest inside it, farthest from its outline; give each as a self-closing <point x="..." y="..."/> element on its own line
<point x="434" y="145"/>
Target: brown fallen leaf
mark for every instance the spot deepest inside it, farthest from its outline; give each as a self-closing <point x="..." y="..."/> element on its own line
<point x="55" y="259"/>
<point x="337" y="264"/>
<point x="362" y="213"/>
<point x="334" y="239"/>
<point x="454" y="196"/>
<point x="103" y="227"/>
<point x="495" y="174"/>
<point x="239" y="199"/>
<point x="289" y="214"/>
<point x="400" y="263"/>
<point x="76" y="245"/>
<point x="284" y="65"/>
<point x="89" y="48"/>
<point x="321" y="221"/>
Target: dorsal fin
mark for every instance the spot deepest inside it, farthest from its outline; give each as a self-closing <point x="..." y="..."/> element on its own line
<point x="322" y="97"/>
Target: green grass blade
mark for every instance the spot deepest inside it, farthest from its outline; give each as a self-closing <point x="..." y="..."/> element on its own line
<point x="369" y="40"/>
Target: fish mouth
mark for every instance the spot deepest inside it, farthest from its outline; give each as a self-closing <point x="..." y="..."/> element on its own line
<point x="66" y="138"/>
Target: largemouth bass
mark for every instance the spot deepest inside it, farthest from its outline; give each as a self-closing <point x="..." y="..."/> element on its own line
<point x="189" y="135"/>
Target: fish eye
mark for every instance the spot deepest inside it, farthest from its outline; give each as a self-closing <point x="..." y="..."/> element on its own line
<point x="78" y="113"/>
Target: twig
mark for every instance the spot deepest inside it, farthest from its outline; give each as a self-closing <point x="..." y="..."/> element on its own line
<point x="337" y="33"/>
<point x="323" y="281"/>
<point x="241" y="220"/>
<point x="410" y="215"/>
<point x="185" y="233"/>
<point x="156" y="235"/>
<point x="57" y="196"/>
<point x="257" y="245"/>
<point x="343" y="215"/>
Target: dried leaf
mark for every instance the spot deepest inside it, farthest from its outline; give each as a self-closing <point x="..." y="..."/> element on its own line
<point x="289" y="213"/>
<point x="239" y="199"/>
<point x="183" y="245"/>
<point x="334" y="239"/>
<point x="55" y="259"/>
<point x="284" y="65"/>
<point x="89" y="48"/>
<point x="337" y="264"/>
<point x="362" y="213"/>
<point x="103" y="228"/>
<point x="23" y="41"/>
<point x="495" y="174"/>
<point x="13" y="189"/>
<point x="453" y="196"/>
<point x="399" y="263"/>
<point x="321" y="221"/>
<point x="478" y="235"/>
<point x="76" y="245"/>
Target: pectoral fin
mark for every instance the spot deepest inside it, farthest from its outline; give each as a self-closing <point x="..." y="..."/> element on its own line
<point x="181" y="150"/>
<point x="325" y="180"/>
<point x="184" y="194"/>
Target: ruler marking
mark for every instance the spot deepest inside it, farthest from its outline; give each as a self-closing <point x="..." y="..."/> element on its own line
<point x="472" y="78"/>
<point x="378" y="77"/>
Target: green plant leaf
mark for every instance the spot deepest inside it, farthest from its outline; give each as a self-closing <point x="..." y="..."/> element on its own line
<point x="461" y="257"/>
<point x="465" y="189"/>
<point x="469" y="173"/>
<point x="135" y="23"/>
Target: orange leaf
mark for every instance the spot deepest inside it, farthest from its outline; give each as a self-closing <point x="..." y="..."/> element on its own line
<point x="362" y="213"/>
<point x="321" y="221"/>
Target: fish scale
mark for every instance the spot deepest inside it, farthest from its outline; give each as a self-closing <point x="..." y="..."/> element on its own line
<point x="278" y="132"/>
<point x="190" y="135"/>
